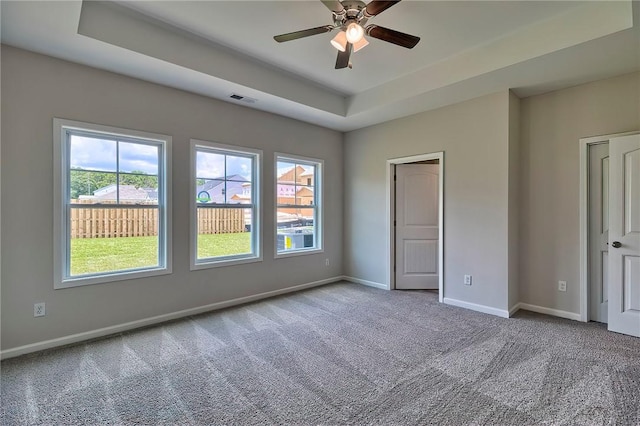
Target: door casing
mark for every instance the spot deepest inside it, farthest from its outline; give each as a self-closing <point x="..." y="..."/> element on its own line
<point x="390" y="216"/>
<point x="584" y="217"/>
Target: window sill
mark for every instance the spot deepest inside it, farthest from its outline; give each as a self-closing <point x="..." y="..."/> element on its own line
<point x="224" y="262"/>
<point x="300" y="252"/>
<point x="103" y="279"/>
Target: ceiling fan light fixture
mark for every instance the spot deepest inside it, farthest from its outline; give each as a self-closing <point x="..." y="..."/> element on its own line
<point x="350" y="18"/>
<point x="359" y="45"/>
<point x="354" y="33"/>
<point x="340" y="41"/>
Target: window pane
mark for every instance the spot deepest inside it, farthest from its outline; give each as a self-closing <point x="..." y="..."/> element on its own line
<point x="92" y="187"/>
<point x="138" y="158"/>
<point x="307" y="176"/>
<point x="209" y="165"/>
<point x="286" y="172"/>
<point x="138" y="189"/>
<point x="210" y="191"/>
<point x="92" y="153"/>
<point x="113" y="239"/>
<point x="239" y="168"/>
<point x="238" y="192"/>
<point x="286" y="194"/>
<point x="223" y="232"/>
<point x="296" y="229"/>
<point x="304" y="196"/>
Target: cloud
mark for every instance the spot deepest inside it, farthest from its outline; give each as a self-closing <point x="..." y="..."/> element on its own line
<point x="239" y="166"/>
<point x="101" y="155"/>
<point x="212" y="165"/>
<point x="138" y="157"/>
<point x="209" y="165"/>
<point x="93" y="154"/>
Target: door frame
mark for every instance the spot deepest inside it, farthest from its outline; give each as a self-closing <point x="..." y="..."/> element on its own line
<point x="584" y="216"/>
<point x="391" y="216"/>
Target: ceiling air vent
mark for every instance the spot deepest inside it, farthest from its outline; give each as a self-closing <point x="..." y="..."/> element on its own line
<point x="243" y="98"/>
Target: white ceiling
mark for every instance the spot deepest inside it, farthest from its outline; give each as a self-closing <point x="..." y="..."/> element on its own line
<point x="215" y="48"/>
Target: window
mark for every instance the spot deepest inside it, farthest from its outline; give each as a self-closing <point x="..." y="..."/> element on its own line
<point x="112" y="204"/>
<point x="225" y="205"/>
<point x="298" y="205"/>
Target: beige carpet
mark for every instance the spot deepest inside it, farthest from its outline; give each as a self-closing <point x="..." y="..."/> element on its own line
<point x="338" y="354"/>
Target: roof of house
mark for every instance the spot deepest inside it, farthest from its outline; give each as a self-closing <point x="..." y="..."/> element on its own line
<point x="307" y="171"/>
<point x="125" y="193"/>
<point x="214" y="189"/>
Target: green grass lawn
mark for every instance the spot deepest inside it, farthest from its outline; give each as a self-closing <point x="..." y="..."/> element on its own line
<point x="210" y="245"/>
<point x="94" y="255"/>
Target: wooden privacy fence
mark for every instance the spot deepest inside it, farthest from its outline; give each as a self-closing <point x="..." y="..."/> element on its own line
<point x="221" y="221"/>
<point x="143" y="222"/>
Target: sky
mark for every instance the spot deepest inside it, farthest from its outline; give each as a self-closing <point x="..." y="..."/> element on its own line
<point x="98" y="154"/>
<point x="211" y="166"/>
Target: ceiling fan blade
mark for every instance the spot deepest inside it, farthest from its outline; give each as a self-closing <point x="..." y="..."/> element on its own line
<point x="376" y="7"/>
<point x="343" y="57"/>
<point x="303" y="33"/>
<point x="334" y="6"/>
<point x="392" y="36"/>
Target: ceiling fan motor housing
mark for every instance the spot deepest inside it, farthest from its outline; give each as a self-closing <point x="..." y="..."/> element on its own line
<point x="353" y="12"/>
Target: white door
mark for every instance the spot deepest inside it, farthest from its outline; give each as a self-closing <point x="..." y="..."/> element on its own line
<point x="598" y="231"/>
<point x="416" y="242"/>
<point x="624" y="235"/>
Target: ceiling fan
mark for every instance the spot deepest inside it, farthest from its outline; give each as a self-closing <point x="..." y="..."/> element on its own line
<point x="350" y="16"/>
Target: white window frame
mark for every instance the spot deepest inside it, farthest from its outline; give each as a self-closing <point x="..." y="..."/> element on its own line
<point x="61" y="231"/>
<point x="318" y="204"/>
<point x="256" y="217"/>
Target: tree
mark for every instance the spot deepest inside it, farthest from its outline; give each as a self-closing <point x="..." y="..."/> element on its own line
<point x="139" y="179"/>
<point x="86" y="182"/>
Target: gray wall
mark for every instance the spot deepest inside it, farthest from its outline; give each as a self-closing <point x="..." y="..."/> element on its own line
<point x="35" y="89"/>
<point x="511" y="192"/>
<point x="551" y="126"/>
<point x="474" y="137"/>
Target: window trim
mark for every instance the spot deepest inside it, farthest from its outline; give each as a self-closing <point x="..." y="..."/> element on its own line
<point x="318" y="204"/>
<point x="256" y="217"/>
<point x="60" y="211"/>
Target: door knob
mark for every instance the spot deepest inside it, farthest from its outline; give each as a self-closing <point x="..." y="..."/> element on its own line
<point x="616" y="244"/>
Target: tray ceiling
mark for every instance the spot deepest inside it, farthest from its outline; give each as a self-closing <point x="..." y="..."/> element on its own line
<point x="217" y="48"/>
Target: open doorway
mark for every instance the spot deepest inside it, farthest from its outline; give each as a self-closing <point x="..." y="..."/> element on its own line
<point x="415" y="222"/>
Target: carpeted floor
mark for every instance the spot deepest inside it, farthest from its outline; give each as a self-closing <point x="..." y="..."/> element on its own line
<point x="338" y="354"/>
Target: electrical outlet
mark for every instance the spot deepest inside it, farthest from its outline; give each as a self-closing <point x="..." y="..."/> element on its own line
<point x="39" y="309"/>
<point x="467" y="280"/>
<point x="562" y="286"/>
<point x="326" y="262"/>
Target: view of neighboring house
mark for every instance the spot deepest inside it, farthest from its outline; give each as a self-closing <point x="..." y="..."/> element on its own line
<point x="295" y="186"/>
<point x="237" y="190"/>
<point x="127" y="194"/>
<point x="245" y="196"/>
<point x="290" y="190"/>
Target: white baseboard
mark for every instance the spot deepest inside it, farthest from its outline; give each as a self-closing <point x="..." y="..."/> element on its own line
<point x="548" y="311"/>
<point x="101" y="332"/>
<point x="365" y="282"/>
<point x="475" y="307"/>
<point x="514" y="309"/>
